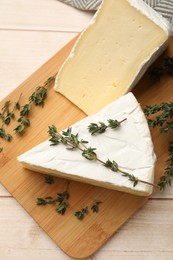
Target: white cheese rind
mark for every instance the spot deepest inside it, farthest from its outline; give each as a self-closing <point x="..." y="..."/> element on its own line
<point x="130" y="146"/>
<point x="84" y="71"/>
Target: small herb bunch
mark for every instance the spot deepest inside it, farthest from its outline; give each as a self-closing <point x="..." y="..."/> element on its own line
<point x="61" y="199"/>
<point x="38" y="99"/>
<point x="166" y="67"/>
<point x="101" y="127"/>
<point x="84" y="211"/>
<point x="6" y="116"/>
<point x="73" y="142"/>
<point x="163" y="115"/>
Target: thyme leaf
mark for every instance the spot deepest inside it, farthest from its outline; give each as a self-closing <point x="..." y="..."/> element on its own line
<point x="101" y="127"/>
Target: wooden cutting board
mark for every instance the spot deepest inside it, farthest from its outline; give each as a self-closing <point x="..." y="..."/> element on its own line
<point x="76" y="238"/>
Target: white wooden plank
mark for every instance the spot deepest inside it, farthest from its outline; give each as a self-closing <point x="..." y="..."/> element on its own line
<point x="22" y="238"/>
<point x="49" y="15"/>
<point x="148" y="234"/>
<point x="23" y="52"/>
<point x="167" y="193"/>
<point x="128" y="255"/>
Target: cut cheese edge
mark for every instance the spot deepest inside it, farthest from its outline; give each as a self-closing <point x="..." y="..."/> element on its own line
<point x="112" y="54"/>
<point x="130" y="146"/>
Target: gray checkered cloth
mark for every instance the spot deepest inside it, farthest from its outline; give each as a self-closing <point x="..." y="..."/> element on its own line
<point x="164" y="7"/>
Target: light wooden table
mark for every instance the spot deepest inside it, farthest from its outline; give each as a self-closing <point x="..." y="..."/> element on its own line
<point x="30" y="33"/>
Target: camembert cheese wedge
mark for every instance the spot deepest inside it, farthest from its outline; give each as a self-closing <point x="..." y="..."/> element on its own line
<point x="112" y="54"/>
<point x="130" y="146"/>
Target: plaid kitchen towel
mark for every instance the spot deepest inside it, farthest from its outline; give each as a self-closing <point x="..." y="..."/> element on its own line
<point x="164" y="7"/>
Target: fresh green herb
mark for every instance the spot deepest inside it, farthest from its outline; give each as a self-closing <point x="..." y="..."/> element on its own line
<point x="17" y="105"/>
<point x="46" y="200"/>
<point x="6" y="115"/>
<point x="49" y="179"/>
<point x="95" y="206"/>
<point x="69" y="139"/>
<point x="101" y="126"/>
<point x="5" y="135"/>
<point x="39" y="95"/>
<point x="37" y="98"/>
<point x="81" y="213"/>
<point x="164" y="113"/>
<point x="61" y="199"/>
<point x="84" y="211"/>
<point x="63" y="202"/>
<point x="115" y="168"/>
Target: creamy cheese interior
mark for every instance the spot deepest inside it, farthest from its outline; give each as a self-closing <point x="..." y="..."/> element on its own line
<point x="111" y="55"/>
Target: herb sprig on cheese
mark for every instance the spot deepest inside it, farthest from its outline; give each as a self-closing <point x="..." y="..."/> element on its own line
<point x="73" y="141"/>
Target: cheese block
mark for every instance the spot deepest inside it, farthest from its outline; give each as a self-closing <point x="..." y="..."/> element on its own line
<point x="112" y="54"/>
<point x="130" y="146"/>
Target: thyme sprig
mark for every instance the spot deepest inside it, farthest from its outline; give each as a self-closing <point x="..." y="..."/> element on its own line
<point x="69" y="139"/>
<point x="6" y="115"/>
<point x="94" y="207"/>
<point x="61" y="199"/>
<point x="81" y="213"/>
<point x="37" y="98"/>
<point x="165" y="180"/>
<point x="101" y="127"/>
<point x="163" y="115"/>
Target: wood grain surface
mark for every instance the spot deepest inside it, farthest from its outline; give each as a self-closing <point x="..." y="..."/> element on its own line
<point x="26" y="42"/>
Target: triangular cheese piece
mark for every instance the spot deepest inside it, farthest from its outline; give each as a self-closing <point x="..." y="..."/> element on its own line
<point x="112" y="53"/>
<point x="130" y="146"/>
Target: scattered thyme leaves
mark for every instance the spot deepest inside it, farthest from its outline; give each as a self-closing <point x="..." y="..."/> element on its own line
<point x="46" y="200"/>
<point x="89" y="154"/>
<point x="81" y="213"/>
<point x="95" y="206"/>
<point x="4" y="135"/>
